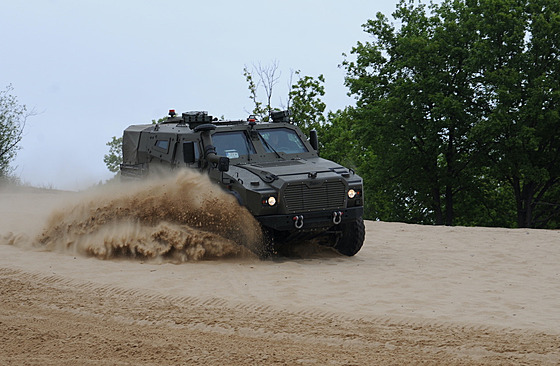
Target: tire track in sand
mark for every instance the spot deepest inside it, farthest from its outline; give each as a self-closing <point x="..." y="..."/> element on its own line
<point x="261" y="327"/>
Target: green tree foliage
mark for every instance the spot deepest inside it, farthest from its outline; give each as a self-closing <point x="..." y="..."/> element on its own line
<point x="12" y="123"/>
<point x="416" y="109"/>
<point x="306" y="107"/>
<point x="337" y="141"/>
<point x="114" y="158"/>
<point x="303" y="99"/>
<point x="460" y="109"/>
<point x="520" y="63"/>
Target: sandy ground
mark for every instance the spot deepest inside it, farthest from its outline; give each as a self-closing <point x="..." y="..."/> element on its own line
<point x="413" y="294"/>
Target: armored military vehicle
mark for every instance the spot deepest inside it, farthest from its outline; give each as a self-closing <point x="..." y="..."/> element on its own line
<point x="270" y="167"/>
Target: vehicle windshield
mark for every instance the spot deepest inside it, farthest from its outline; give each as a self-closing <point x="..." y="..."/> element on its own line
<point x="281" y="140"/>
<point x="232" y="144"/>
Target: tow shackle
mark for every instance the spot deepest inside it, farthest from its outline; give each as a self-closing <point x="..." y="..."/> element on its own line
<point x="298" y="221"/>
<point x="337" y="217"/>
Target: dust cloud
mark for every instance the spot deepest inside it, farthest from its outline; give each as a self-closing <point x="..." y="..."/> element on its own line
<point x="184" y="217"/>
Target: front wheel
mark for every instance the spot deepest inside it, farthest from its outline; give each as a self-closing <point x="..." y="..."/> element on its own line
<point x="352" y="239"/>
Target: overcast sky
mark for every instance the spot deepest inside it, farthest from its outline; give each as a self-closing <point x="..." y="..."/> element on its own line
<point x="92" y="68"/>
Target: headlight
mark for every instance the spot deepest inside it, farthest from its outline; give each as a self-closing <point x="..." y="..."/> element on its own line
<point x="271" y="201"/>
<point x="351" y="193"/>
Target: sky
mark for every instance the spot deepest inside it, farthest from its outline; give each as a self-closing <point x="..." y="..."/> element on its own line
<point x="90" y="68"/>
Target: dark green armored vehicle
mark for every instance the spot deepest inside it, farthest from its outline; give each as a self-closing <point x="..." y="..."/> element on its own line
<point x="270" y="167"/>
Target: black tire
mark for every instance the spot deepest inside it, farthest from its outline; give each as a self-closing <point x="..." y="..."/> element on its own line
<point x="352" y="239"/>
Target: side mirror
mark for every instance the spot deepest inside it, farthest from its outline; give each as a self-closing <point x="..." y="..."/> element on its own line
<point x="188" y="152"/>
<point x="223" y="164"/>
<point x="314" y="140"/>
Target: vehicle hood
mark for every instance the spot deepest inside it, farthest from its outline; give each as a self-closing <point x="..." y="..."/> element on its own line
<point x="284" y="169"/>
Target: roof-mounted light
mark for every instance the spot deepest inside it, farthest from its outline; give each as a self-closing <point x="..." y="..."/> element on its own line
<point x="280" y="116"/>
<point x="172" y="113"/>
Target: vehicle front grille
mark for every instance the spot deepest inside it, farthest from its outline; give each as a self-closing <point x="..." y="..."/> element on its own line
<point x="299" y="197"/>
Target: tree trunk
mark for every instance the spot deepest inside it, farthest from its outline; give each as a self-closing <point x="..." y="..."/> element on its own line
<point x="450" y="160"/>
<point x="437" y="206"/>
<point x="527" y="196"/>
<point x="518" y="200"/>
<point x="449" y="213"/>
<point x="524" y="202"/>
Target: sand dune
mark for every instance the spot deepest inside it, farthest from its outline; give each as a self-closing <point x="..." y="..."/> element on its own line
<point x="441" y="295"/>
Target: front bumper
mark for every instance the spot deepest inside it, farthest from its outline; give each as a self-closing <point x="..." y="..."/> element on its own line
<point x="312" y="221"/>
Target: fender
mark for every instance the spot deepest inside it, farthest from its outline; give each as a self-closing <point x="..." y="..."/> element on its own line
<point x="237" y="196"/>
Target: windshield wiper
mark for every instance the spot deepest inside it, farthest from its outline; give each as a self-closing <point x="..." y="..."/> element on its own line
<point x="268" y="145"/>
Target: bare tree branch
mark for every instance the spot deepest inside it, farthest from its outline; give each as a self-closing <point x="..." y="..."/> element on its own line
<point x="13" y="119"/>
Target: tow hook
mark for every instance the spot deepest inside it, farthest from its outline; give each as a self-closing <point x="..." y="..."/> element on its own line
<point x="298" y="221"/>
<point x="337" y="217"/>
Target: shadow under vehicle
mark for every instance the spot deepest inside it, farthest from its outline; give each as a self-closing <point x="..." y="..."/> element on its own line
<point x="270" y="167"/>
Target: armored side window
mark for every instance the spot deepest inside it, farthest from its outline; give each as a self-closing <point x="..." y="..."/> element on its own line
<point x="190" y="152"/>
<point x="163" y="145"/>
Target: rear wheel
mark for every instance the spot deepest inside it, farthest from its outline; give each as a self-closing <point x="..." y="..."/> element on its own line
<point x="352" y="239"/>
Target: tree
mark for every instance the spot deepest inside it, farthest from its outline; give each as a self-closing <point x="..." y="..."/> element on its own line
<point x="416" y="109"/>
<point x="114" y="158"/>
<point x="303" y="99"/>
<point x="267" y="78"/>
<point x="307" y="108"/>
<point x="519" y="59"/>
<point x="460" y="109"/>
<point x="13" y="117"/>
